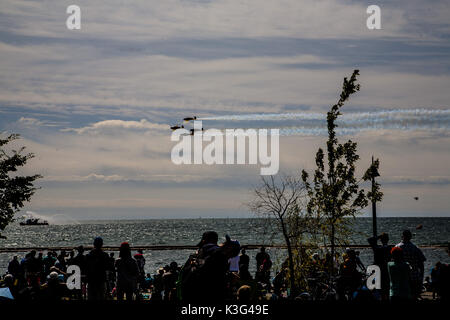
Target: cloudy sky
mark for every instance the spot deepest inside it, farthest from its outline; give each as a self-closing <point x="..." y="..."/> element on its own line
<point x="95" y="104"/>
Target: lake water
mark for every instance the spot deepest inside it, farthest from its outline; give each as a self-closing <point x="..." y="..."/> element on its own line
<point x="188" y="232"/>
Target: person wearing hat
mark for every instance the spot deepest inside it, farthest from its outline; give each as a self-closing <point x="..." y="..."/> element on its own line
<point x="399" y="275"/>
<point x="97" y="263"/>
<point x="54" y="288"/>
<point x="53" y="276"/>
<point x="207" y="266"/>
<point x="140" y="259"/>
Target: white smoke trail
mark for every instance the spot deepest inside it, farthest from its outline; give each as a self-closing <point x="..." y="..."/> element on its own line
<point x="268" y="116"/>
<point x="298" y="131"/>
<point x="373" y="116"/>
<point x="350" y="123"/>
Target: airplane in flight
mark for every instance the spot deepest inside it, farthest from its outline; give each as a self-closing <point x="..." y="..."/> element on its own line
<point x="176" y="127"/>
<point x="190" y="118"/>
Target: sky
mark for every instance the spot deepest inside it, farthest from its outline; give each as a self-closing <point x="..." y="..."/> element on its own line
<point x="95" y="104"/>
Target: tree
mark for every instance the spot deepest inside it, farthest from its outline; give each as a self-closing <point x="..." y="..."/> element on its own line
<point x="14" y="189"/>
<point x="335" y="193"/>
<point x="282" y="200"/>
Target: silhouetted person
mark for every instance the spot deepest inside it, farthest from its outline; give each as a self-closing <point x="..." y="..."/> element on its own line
<point x="350" y="278"/>
<point x="415" y="258"/>
<point x="170" y="278"/>
<point x="399" y="275"/>
<point x="263" y="264"/>
<point x="80" y="260"/>
<point x="260" y="257"/>
<point x="31" y="267"/>
<point x="244" y="259"/>
<point x="14" y="267"/>
<point x="97" y="263"/>
<point x="40" y="266"/>
<point x="158" y="285"/>
<point x="280" y="278"/>
<point x="381" y="257"/>
<point x="49" y="261"/>
<point x="53" y="288"/>
<point x="140" y="259"/>
<point x="61" y="262"/>
<point x="8" y="282"/>
<point x="204" y="274"/>
<point x="244" y="263"/>
<point x="127" y="273"/>
<point x="435" y="278"/>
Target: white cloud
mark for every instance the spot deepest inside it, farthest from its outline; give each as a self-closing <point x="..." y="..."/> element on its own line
<point x="30" y="121"/>
<point x="87" y="178"/>
<point x="134" y="178"/>
<point x="112" y="125"/>
<point x="33" y="122"/>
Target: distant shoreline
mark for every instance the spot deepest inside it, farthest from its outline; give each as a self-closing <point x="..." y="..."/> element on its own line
<point x="82" y="220"/>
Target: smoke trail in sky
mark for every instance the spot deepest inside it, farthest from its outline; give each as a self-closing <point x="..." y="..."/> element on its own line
<point x="385" y="114"/>
<point x="299" y="131"/>
<point x="268" y="116"/>
<point x="350" y="123"/>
